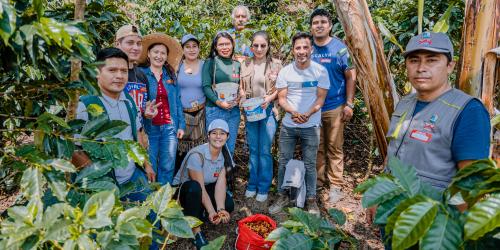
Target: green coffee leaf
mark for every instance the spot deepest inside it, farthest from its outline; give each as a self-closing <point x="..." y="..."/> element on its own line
<point x="483" y="217"/>
<point x="215" y="244"/>
<point x="97" y="210"/>
<point x="177" y="227"/>
<point x="413" y="223"/>
<point x="278" y="233"/>
<point x="296" y="241"/>
<point x="385" y="209"/>
<point x="62" y="165"/>
<point x="382" y="191"/>
<point x="391" y="220"/>
<point x="161" y="198"/>
<point x="406" y="175"/>
<point x="337" y="215"/>
<point x="444" y="233"/>
<point x="32" y="183"/>
<point x="310" y="221"/>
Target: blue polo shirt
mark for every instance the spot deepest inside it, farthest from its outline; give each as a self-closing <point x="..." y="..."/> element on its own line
<point x="335" y="58"/>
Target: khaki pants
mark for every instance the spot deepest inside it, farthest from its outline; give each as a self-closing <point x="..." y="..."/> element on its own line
<point x="330" y="160"/>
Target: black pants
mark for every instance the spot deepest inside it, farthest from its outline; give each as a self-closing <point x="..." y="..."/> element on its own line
<point x="190" y="198"/>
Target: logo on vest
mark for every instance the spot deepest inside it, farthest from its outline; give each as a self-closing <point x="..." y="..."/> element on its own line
<point x="430" y="125"/>
<point x="421" y="136"/>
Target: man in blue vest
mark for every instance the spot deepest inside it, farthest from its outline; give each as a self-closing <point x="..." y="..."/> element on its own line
<point x="439" y="129"/>
<point x="112" y="78"/>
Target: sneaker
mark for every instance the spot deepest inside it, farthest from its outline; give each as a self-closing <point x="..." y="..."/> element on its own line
<point x="199" y="240"/>
<point x="279" y="204"/>
<point x="312" y="206"/>
<point x="335" y="194"/>
<point x="250" y="194"/>
<point x="261" y="197"/>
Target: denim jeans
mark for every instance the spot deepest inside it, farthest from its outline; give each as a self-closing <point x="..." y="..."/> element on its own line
<point x="140" y="193"/>
<point x="141" y="190"/>
<point x="260" y="136"/>
<point x="309" y="139"/>
<point x="232" y="117"/>
<point x="162" y="151"/>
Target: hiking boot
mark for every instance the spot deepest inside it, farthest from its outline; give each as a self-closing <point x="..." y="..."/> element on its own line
<point x="199" y="240"/>
<point x="279" y="204"/>
<point x="335" y="194"/>
<point x="312" y="206"/>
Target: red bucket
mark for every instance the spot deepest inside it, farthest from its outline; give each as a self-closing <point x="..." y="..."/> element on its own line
<point x="250" y="240"/>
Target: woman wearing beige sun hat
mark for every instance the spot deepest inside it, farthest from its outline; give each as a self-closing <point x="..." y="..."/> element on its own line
<point x="160" y="58"/>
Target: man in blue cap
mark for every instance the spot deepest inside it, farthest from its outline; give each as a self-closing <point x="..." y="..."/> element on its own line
<point x="438" y="129"/>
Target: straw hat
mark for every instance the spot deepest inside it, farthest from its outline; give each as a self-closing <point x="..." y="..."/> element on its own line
<point x="174" y="48"/>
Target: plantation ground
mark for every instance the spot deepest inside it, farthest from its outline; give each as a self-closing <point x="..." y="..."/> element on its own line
<point x="360" y="163"/>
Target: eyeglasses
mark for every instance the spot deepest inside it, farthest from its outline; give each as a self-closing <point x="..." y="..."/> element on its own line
<point x="256" y="46"/>
<point x="222" y="45"/>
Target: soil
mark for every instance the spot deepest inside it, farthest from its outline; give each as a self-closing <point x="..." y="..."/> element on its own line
<point x="360" y="164"/>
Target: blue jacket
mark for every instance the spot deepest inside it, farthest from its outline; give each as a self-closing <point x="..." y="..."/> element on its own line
<point x="174" y="99"/>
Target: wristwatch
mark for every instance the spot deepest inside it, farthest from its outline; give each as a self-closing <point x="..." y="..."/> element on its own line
<point x="350" y="105"/>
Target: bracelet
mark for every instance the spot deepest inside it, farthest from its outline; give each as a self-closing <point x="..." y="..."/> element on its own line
<point x="350" y="105"/>
<point x="220" y="209"/>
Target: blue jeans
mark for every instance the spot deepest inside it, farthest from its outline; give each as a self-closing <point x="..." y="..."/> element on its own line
<point x="260" y="136"/>
<point x="141" y="190"/>
<point x="162" y="151"/>
<point x="232" y="117"/>
<point x="309" y="139"/>
<point x="140" y="193"/>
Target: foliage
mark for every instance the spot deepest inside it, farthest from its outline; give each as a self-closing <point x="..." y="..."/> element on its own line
<point x="412" y="212"/>
<point x="398" y="22"/>
<point x="281" y="20"/>
<point x="308" y="231"/>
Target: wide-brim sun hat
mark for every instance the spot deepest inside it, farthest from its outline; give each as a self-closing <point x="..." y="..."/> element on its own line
<point x="174" y="48"/>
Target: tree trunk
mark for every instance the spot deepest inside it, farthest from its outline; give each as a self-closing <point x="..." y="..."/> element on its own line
<point x="76" y="66"/>
<point x="480" y="34"/>
<point x="491" y="78"/>
<point x="374" y="78"/>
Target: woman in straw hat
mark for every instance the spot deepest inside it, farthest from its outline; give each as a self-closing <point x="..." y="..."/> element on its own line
<point x="160" y="57"/>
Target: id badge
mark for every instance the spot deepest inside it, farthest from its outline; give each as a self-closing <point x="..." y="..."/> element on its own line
<point x="421" y="136"/>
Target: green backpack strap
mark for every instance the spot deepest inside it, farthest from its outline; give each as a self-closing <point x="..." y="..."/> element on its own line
<point x="132" y="114"/>
<point x="92" y="99"/>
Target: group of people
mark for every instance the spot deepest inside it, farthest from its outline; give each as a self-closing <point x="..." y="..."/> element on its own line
<point x="190" y="128"/>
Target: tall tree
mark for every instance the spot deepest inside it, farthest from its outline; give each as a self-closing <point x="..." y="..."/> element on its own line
<point x="367" y="52"/>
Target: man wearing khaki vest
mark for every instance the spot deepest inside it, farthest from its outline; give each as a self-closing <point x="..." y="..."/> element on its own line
<point x="438" y="129"/>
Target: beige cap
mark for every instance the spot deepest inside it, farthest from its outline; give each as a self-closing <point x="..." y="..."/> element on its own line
<point x="127" y="30"/>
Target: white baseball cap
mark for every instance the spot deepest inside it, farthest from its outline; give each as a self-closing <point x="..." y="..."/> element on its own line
<point x="218" y="124"/>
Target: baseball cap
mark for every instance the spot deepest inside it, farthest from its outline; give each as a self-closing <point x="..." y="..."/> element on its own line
<point x="189" y="37"/>
<point x="430" y="41"/>
<point x="127" y="30"/>
<point x="218" y="124"/>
